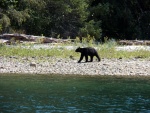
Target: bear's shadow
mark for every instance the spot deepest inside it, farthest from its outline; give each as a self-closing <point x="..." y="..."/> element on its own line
<point x="87" y="62"/>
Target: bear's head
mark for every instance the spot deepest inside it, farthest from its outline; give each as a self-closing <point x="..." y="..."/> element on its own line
<point x="78" y="49"/>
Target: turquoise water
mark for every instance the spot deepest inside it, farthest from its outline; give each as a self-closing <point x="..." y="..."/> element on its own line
<point x="74" y="94"/>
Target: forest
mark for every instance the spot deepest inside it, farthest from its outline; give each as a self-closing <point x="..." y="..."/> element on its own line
<point x="117" y="19"/>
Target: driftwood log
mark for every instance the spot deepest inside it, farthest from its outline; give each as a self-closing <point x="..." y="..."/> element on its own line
<point x="134" y="42"/>
<point x="21" y="38"/>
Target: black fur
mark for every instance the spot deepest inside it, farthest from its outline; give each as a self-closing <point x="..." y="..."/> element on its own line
<point x="88" y="51"/>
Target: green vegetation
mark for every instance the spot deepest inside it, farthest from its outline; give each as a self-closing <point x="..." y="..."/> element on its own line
<point x="106" y="50"/>
<point x="118" y="19"/>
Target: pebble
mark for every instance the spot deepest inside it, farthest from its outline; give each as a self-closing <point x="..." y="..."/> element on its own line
<point x="70" y="66"/>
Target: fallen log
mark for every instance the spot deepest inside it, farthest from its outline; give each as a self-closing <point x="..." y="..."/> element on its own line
<point x="133" y="42"/>
<point x="21" y="38"/>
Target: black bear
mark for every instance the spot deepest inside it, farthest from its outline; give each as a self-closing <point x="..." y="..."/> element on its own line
<point x="88" y="51"/>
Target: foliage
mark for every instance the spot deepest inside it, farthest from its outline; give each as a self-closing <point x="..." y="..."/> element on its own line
<point x="106" y="50"/>
<point x="4" y="22"/>
<point x="11" y="16"/>
<point x="119" y="19"/>
<point x="85" y="41"/>
<point x="0" y="27"/>
<point x="92" y="28"/>
<point x="124" y="19"/>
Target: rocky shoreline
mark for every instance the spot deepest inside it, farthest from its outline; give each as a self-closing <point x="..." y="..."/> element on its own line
<point x="51" y="65"/>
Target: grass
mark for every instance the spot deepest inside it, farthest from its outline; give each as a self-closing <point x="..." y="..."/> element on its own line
<point x="29" y="52"/>
<point x="106" y="50"/>
<point x="125" y="54"/>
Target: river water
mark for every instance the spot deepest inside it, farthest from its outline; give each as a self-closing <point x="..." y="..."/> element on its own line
<point x="73" y="94"/>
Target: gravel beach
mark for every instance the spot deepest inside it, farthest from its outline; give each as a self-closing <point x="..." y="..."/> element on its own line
<point x="51" y="65"/>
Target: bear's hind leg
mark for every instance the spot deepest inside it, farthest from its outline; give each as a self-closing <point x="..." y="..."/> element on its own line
<point x="86" y="58"/>
<point x="91" y="58"/>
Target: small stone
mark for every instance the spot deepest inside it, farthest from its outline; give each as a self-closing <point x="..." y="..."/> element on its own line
<point x="25" y="58"/>
<point x="71" y="57"/>
<point x="59" y="60"/>
<point x="120" y="58"/>
<point x="33" y="64"/>
<point x="1" y="67"/>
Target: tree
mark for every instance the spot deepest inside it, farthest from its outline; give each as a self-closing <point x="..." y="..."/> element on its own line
<point x="67" y="16"/>
<point x="10" y="17"/>
<point x="122" y="19"/>
<point x="91" y="28"/>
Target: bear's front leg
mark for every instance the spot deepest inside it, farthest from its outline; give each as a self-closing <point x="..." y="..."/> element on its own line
<point x="81" y="57"/>
<point x="99" y="59"/>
